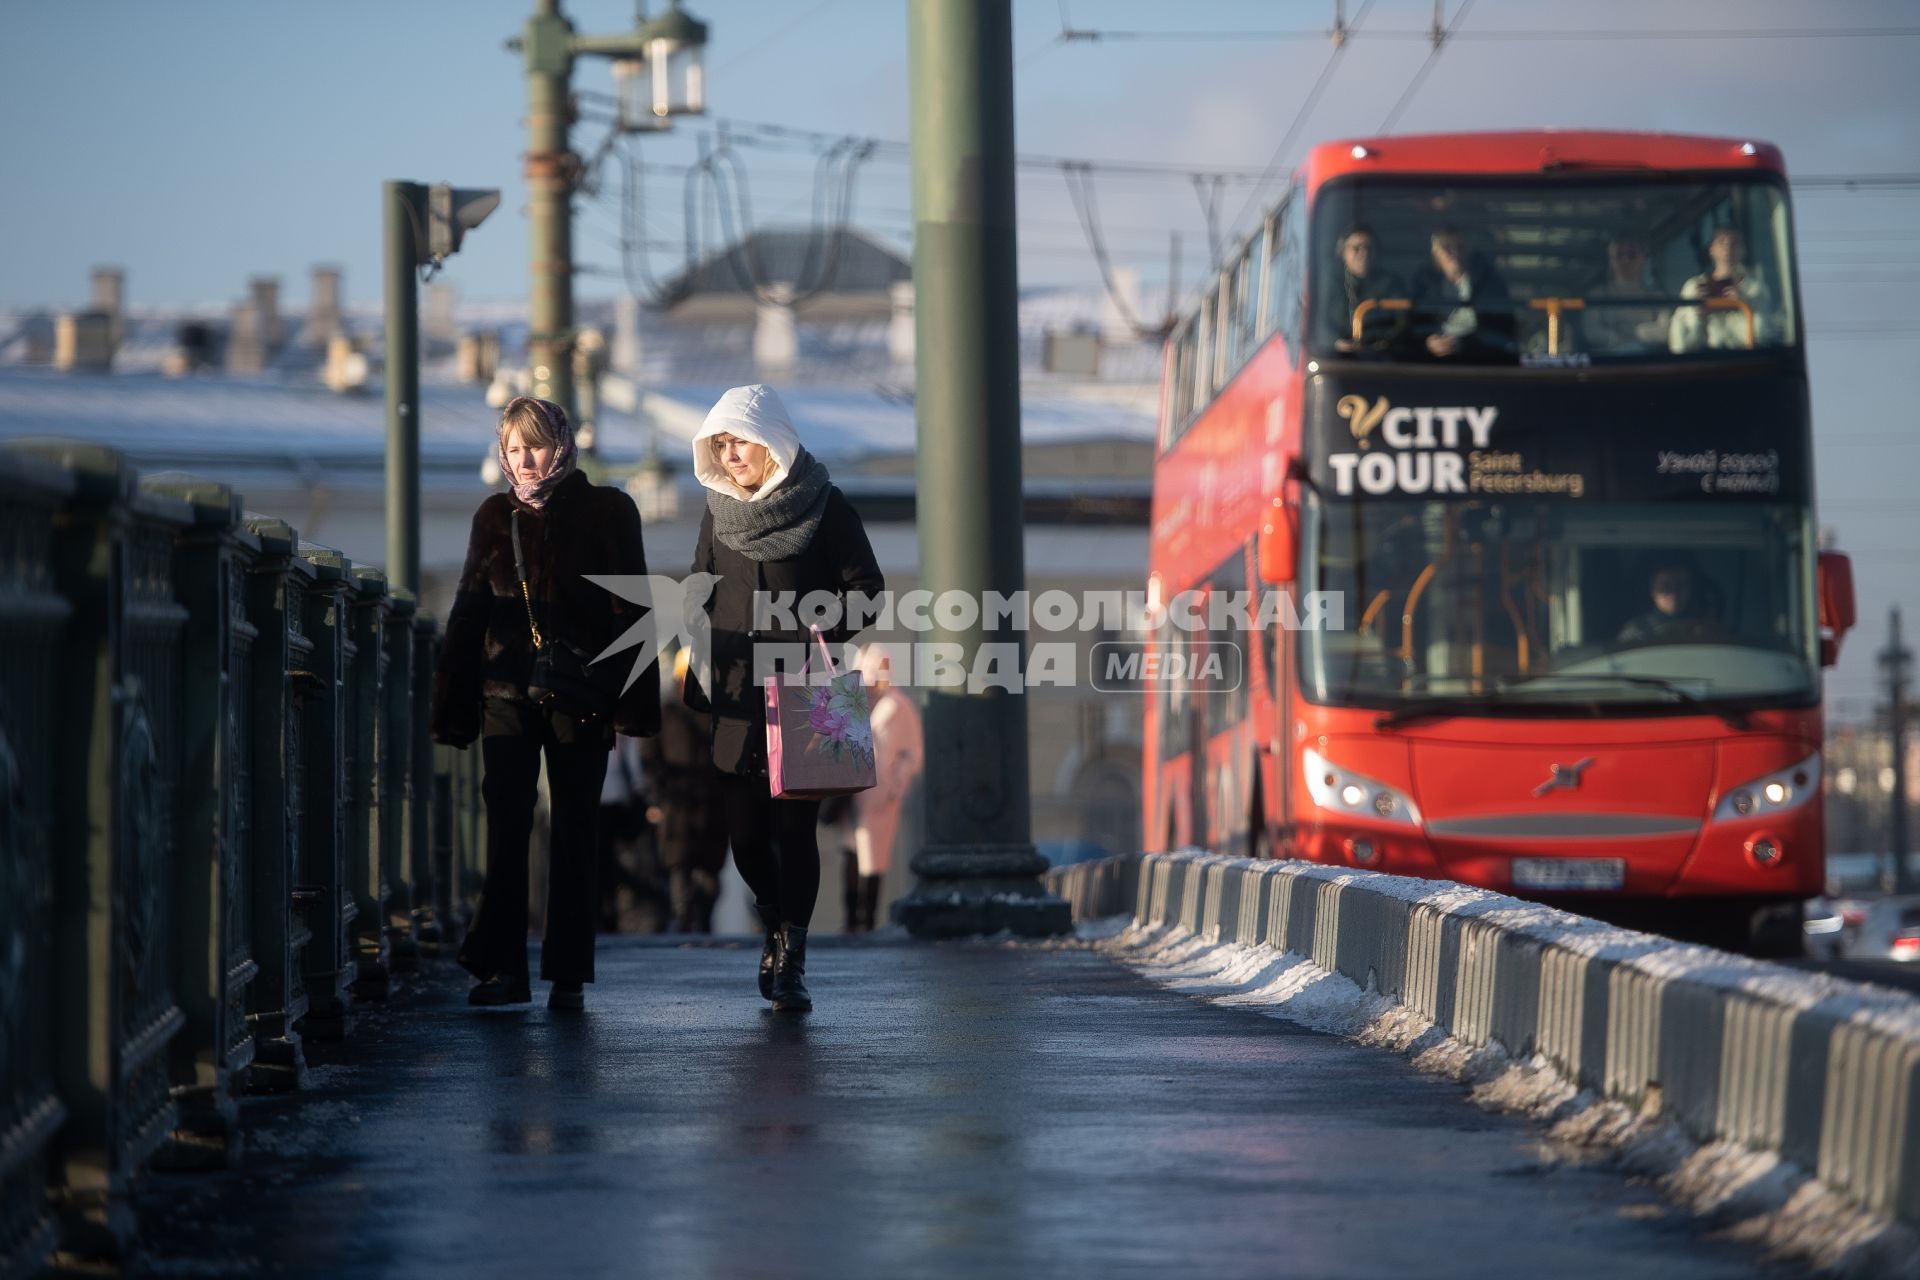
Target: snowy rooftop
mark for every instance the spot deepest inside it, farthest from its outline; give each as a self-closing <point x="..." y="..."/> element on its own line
<point x="848" y="398"/>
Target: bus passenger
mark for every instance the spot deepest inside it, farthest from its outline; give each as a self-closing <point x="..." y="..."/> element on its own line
<point x="1619" y="328"/>
<point x="1469" y="311"/>
<point x="1731" y="278"/>
<point x="1359" y="282"/>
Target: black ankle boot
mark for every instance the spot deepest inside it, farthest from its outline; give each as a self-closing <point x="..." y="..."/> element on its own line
<point x="850" y="889"/>
<point x="789" y="989"/>
<point x="769" y="950"/>
<point x="869" y="903"/>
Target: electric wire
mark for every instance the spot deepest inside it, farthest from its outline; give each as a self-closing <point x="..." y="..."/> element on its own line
<point x="1342" y="33"/>
<point x="1440" y="42"/>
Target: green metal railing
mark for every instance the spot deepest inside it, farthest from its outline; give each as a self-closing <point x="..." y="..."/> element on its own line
<point x="222" y="821"/>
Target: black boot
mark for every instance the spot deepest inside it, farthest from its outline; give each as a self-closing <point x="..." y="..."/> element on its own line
<point x="789" y="987"/>
<point x="497" y="991"/>
<point x="770" y="949"/>
<point x="869" y="902"/>
<point x="850" y="889"/>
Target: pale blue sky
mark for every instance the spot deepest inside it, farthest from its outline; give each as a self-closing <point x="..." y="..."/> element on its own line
<point x="199" y="142"/>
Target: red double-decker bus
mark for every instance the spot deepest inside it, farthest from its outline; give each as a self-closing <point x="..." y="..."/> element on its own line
<point x="1530" y="411"/>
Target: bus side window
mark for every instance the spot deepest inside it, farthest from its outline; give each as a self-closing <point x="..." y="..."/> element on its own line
<point x="1277" y="282"/>
<point x="1246" y="303"/>
<point x="1180" y="394"/>
<point x="1293" y="266"/>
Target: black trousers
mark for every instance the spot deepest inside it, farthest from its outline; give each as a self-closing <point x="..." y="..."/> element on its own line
<point x="497" y="942"/>
<point x="773" y="845"/>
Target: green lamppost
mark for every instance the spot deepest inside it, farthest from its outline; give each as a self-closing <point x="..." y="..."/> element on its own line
<point x="424" y="227"/>
<point x="660" y="70"/>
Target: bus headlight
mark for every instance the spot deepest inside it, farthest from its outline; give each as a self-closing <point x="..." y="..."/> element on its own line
<point x="1775" y="794"/>
<point x="1344" y="791"/>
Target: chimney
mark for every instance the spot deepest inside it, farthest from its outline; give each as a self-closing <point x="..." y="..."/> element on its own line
<point x="478" y="355"/>
<point x="900" y="328"/>
<point x="110" y="296"/>
<point x="776" y="332"/>
<point x="40" y="330"/>
<point x="436" y="317"/>
<point x="266" y="312"/>
<point x="346" y="368"/>
<point x="246" y="353"/>
<point x="626" y="334"/>
<point x="323" y="309"/>
<point x="1116" y="326"/>
<point x="83" y="342"/>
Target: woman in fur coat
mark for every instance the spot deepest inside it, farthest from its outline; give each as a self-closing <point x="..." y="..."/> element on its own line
<point x="517" y="673"/>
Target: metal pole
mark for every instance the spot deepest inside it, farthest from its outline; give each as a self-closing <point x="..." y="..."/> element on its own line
<point x="1895" y="660"/>
<point x="550" y="168"/>
<point x="978" y="872"/>
<point x="404" y="207"/>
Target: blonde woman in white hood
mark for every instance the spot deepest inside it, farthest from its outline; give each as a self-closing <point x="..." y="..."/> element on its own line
<point x="774" y="523"/>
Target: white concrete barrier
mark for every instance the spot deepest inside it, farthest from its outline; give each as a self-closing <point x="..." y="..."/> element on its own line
<point x="1823" y="1072"/>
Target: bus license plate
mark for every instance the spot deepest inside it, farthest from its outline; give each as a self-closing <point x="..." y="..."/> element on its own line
<point x="1580" y="874"/>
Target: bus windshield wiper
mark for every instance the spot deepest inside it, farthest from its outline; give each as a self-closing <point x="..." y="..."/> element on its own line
<point x="1735" y="718"/>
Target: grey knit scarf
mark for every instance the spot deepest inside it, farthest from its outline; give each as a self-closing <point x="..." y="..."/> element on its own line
<point x="779" y="526"/>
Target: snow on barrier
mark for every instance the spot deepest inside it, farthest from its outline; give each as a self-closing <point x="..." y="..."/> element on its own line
<point x="1823" y="1072"/>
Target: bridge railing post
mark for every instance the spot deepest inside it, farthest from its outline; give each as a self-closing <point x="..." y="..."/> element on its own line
<point x="282" y="678"/>
<point x="427" y="826"/>
<point x="397" y="793"/>
<point x="34" y="631"/>
<point x="367" y="744"/>
<point x="325" y="897"/>
<point x="114" y="751"/>
<point x="213" y="962"/>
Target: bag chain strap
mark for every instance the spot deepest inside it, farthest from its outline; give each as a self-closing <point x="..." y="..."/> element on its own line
<point x="526" y="597"/>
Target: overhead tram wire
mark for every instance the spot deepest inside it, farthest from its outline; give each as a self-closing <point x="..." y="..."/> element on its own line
<point x="833" y="198"/>
<point x="896" y="150"/>
<point x="1440" y="40"/>
<point x="1059" y="41"/>
<point x="1080" y="190"/>
<point x="1208" y="193"/>
<point x="1623" y="33"/>
<point x="1342" y="33"/>
<point x="777" y="35"/>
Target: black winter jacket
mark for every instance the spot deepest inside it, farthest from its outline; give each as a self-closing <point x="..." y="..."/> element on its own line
<point x="584" y="528"/>
<point x="838" y="560"/>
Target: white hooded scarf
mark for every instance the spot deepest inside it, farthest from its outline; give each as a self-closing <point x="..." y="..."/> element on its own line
<point x="748" y="413"/>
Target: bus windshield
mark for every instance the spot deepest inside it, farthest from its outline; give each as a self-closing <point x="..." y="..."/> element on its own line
<point x="1560" y="272"/>
<point x="1536" y="605"/>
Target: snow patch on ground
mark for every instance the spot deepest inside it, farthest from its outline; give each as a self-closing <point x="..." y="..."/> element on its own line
<point x="1751" y="1196"/>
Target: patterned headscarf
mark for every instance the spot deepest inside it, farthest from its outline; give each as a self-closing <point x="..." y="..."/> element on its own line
<point x="566" y="457"/>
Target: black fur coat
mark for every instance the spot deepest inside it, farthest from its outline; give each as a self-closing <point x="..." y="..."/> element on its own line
<point x="584" y="528"/>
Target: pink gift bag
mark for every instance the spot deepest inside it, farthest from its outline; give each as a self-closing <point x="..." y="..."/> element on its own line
<point x="819" y="736"/>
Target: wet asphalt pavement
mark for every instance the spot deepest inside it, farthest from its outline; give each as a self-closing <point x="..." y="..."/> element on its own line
<point x="972" y="1109"/>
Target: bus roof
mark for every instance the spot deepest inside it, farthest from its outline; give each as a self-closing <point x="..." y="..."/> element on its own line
<point x="1537" y="151"/>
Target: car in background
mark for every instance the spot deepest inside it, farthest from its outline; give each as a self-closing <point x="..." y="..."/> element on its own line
<point x="1823" y="925"/>
<point x="1889" y="930"/>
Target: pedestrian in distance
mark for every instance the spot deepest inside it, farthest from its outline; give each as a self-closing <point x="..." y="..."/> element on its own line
<point x="631" y="884"/>
<point x="518" y="674"/>
<point x="684" y="806"/>
<point x="899" y="750"/>
<point x="775" y="523"/>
